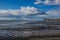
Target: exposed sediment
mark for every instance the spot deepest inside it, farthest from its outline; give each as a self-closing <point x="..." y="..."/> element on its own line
<point x="6" y="33"/>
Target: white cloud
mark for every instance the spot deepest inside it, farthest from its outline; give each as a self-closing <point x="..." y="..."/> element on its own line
<point x="3" y="12"/>
<point x="42" y="16"/>
<point x="53" y="14"/>
<point x="22" y="11"/>
<point x="7" y="18"/>
<point x="37" y="2"/>
<point x="28" y="10"/>
<point x="48" y="2"/>
<point x="8" y="12"/>
<point x="55" y="2"/>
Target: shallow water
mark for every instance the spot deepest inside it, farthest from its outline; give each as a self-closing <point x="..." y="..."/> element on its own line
<point x="46" y="38"/>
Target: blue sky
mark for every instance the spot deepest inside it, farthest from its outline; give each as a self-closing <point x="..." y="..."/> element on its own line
<point x="16" y="4"/>
<point x="8" y="9"/>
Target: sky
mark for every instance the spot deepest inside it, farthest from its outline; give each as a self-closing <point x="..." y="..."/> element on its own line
<point x="29" y="9"/>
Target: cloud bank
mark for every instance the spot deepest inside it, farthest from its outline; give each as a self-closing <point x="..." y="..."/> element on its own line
<point x="7" y="18"/>
<point x="27" y="13"/>
<point x="21" y="11"/>
<point x="24" y="12"/>
<point x="48" y="2"/>
<point x="53" y="14"/>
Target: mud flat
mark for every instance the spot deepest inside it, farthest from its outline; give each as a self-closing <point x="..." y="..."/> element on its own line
<point x="30" y="35"/>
